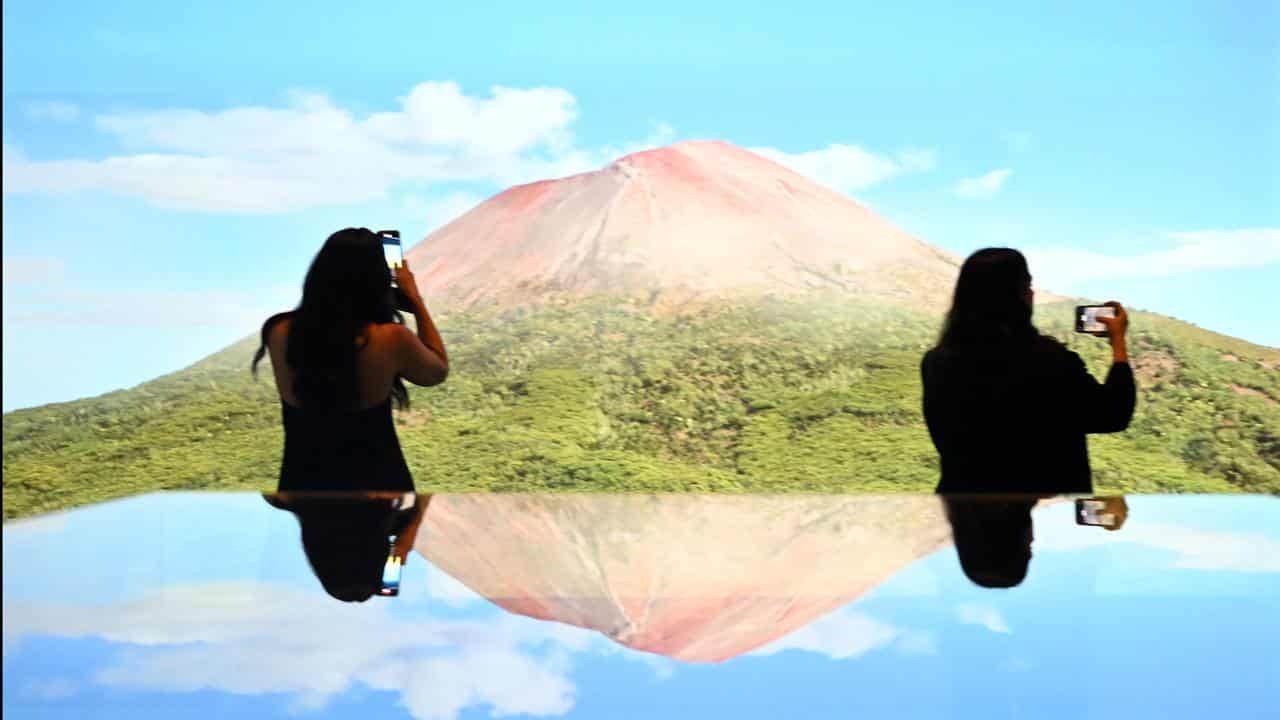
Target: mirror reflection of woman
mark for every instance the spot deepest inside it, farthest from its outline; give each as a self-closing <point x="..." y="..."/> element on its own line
<point x="340" y="358"/>
<point x="347" y="536"/>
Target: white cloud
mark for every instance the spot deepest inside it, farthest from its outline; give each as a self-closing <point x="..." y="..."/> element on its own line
<point x="848" y="633"/>
<point x="839" y="635"/>
<point x="33" y="271"/>
<point x="848" y="167"/>
<point x="52" y="689"/>
<point x="182" y="308"/>
<point x="439" y="211"/>
<point x="1192" y="251"/>
<point x="663" y="134"/>
<point x="311" y="152"/>
<point x="983" y="186"/>
<point x="255" y="639"/>
<point x="444" y="588"/>
<point x="984" y="615"/>
<point x="1193" y="549"/>
<point x="52" y="110"/>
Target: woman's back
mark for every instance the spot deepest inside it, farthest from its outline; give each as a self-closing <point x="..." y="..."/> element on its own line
<point x="376" y="360"/>
<point x="1015" y="419"/>
<point x="341" y="449"/>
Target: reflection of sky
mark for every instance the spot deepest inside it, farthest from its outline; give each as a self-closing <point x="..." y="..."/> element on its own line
<point x="168" y="604"/>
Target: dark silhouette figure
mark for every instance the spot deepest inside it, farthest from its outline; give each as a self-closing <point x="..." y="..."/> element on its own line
<point x="1008" y="408"/>
<point x="338" y="360"/>
<point x="347" y="536"/>
<point x="993" y="536"/>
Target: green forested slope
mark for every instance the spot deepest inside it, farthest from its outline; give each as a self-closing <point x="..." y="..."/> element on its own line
<point x="776" y="397"/>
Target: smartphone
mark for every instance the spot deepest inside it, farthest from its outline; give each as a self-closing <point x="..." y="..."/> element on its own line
<point x="1087" y="318"/>
<point x="391" y="573"/>
<point x="392" y="250"/>
<point x="1095" y="512"/>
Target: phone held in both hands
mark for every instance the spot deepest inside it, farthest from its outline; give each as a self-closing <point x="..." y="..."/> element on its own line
<point x="392" y="250"/>
<point x="1087" y="318"/>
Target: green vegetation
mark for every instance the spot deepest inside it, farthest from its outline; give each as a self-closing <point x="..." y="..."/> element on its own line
<point x="752" y="397"/>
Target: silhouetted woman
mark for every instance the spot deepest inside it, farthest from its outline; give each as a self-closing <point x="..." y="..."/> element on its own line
<point x="339" y="358"/>
<point x="1008" y="408"/>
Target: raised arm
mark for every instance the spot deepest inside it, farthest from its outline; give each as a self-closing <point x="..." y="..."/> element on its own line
<point x="1105" y="407"/>
<point x="422" y="358"/>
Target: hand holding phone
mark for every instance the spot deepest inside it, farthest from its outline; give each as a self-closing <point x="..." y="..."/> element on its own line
<point x="1104" y="512"/>
<point x="1087" y="319"/>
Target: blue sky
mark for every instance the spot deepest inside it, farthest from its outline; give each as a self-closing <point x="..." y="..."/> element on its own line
<point x="169" y="171"/>
<point x="220" y="614"/>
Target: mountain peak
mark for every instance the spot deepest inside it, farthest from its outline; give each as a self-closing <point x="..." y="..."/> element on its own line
<point x="679" y="151"/>
<point x="697" y="218"/>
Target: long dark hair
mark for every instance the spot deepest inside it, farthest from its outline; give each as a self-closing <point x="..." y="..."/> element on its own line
<point x="990" y="308"/>
<point x="992" y="537"/>
<point x="347" y="287"/>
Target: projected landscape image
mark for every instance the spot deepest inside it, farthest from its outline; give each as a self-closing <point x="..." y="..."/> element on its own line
<point x="648" y="277"/>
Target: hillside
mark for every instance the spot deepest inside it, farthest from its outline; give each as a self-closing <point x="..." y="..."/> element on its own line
<point x="797" y="395"/>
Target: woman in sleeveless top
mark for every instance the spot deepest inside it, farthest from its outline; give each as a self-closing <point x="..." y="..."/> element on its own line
<point x="339" y="359"/>
<point x="1008" y="408"/>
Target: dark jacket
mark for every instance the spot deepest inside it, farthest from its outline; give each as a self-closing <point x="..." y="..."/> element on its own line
<point x="1014" y="420"/>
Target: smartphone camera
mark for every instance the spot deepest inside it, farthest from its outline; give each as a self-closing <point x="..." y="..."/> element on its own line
<point x="1087" y="318"/>
<point x="391" y="573"/>
<point x="392" y="251"/>
<point x="1103" y="512"/>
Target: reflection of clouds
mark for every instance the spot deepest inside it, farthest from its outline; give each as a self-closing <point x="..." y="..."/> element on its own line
<point x="255" y="639"/>
<point x="984" y="615"/>
<point x="1195" y="549"/>
<point x="49" y="690"/>
<point x="446" y="589"/>
<point x="848" y="633"/>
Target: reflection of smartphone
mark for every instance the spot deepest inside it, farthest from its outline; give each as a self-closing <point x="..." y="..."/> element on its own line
<point x="391" y="573"/>
<point x="1093" y="511"/>
<point x="392" y="250"/>
<point x="1087" y="318"/>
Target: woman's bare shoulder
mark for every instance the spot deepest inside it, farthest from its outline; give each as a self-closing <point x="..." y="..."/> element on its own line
<point x="275" y="331"/>
<point x="386" y="336"/>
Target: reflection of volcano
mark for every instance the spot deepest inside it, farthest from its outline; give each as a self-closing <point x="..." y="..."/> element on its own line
<point x="696" y="578"/>
<point x="700" y="218"/>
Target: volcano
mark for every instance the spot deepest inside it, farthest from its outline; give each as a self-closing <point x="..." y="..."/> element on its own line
<point x="696" y="578"/>
<point x="699" y="219"/>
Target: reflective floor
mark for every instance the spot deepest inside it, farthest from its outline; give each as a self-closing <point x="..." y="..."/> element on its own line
<point x="629" y="606"/>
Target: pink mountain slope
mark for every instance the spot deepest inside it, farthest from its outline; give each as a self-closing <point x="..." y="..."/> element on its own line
<point x="692" y="577"/>
<point x="697" y="219"/>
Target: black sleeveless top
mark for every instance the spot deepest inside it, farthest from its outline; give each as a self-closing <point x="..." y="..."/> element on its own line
<point x="339" y="451"/>
<point x="342" y="451"/>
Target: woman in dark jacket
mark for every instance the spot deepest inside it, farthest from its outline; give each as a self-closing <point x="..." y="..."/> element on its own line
<point x="1008" y="408"/>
